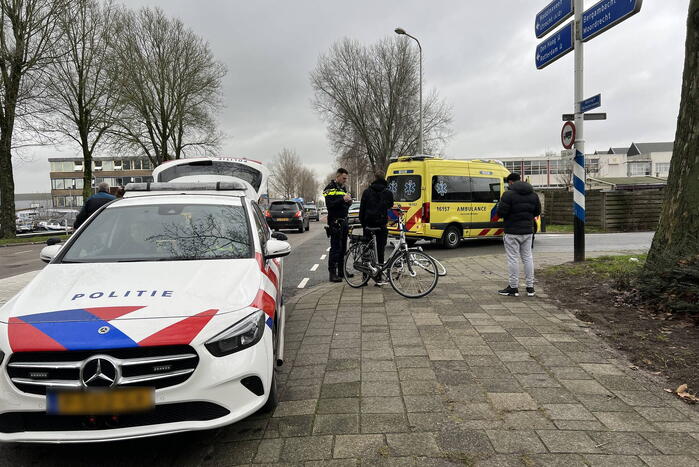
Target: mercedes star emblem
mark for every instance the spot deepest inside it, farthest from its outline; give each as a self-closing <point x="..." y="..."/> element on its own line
<point x="99" y="371"/>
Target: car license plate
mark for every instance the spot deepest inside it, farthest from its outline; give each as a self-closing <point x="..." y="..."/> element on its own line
<point x="282" y="219"/>
<point x="97" y="402"/>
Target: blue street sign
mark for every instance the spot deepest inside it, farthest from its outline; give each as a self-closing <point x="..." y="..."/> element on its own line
<point x="606" y="14"/>
<point x="556" y="46"/>
<point x="554" y="14"/>
<point x="590" y="103"/>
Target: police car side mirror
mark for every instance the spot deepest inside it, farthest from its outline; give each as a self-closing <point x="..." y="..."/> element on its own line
<point x="276" y="249"/>
<point x="48" y="252"/>
<point x="279" y="236"/>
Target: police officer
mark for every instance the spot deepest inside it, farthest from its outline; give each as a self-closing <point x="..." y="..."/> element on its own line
<point x="338" y="201"/>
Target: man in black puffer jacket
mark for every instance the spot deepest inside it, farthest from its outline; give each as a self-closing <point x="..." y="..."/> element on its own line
<point x="518" y="207"/>
<point x="373" y="212"/>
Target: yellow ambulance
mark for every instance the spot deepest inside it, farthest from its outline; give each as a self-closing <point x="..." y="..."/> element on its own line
<point x="447" y="199"/>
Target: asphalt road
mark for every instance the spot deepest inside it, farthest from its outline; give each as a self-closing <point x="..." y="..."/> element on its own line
<point x="308" y="259"/>
<point x="19" y="259"/>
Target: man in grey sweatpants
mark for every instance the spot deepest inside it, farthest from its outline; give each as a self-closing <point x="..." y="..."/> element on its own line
<point x="519" y="206"/>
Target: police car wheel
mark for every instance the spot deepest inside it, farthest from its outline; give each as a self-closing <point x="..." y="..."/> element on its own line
<point x="273" y="398"/>
<point x="451" y="237"/>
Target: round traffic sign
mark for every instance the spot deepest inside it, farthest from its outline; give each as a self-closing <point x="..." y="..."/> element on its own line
<point x="568" y="135"/>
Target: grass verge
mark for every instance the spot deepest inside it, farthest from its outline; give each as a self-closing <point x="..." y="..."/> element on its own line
<point x="604" y="292"/>
<point x="568" y="228"/>
<point x="38" y="239"/>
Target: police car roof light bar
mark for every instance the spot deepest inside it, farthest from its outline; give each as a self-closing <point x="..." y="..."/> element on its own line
<point x="164" y="186"/>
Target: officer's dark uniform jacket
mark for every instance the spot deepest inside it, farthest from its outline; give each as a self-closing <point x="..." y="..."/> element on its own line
<point x="337" y="221"/>
<point x="334" y="202"/>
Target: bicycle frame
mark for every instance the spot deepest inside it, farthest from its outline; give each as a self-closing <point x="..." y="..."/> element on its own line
<point x="402" y="245"/>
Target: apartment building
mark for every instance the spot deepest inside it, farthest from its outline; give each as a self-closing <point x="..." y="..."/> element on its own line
<point x="636" y="160"/>
<point x="67" y="176"/>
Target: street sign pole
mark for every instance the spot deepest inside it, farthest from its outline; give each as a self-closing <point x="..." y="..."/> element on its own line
<point x="579" y="160"/>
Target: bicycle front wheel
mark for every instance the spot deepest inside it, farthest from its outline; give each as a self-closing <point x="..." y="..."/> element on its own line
<point x="413" y="274"/>
<point x="355" y="266"/>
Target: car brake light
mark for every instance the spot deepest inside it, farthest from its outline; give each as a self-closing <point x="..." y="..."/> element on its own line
<point x="425" y="212"/>
<point x="267" y="214"/>
<point x="297" y="214"/>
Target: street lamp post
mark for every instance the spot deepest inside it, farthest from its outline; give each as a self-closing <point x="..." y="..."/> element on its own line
<point x="401" y="31"/>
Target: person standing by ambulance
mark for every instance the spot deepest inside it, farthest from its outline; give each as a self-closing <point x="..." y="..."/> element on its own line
<point x="518" y="207"/>
<point x="337" y="201"/>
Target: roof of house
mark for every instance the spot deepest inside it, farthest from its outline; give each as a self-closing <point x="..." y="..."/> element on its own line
<point x="618" y="150"/>
<point x="647" y="148"/>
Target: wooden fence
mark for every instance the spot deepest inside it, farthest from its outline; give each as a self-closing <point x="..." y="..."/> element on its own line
<point x="615" y="211"/>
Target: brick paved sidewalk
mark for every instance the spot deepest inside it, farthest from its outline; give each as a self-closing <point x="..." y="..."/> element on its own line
<point x="459" y="378"/>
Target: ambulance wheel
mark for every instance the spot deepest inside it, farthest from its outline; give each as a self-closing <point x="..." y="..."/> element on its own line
<point x="451" y="237"/>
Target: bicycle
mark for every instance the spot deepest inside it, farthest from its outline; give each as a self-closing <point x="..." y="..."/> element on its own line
<point x="441" y="270"/>
<point x="411" y="272"/>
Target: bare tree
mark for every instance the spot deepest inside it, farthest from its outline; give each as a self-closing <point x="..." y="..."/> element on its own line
<point x="28" y="31"/>
<point x="285" y="173"/>
<point x="672" y="268"/>
<point x="357" y="164"/>
<point x="80" y="92"/>
<point x="168" y="86"/>
<point x="308" y="187"/>
<point x="368" y="95"/>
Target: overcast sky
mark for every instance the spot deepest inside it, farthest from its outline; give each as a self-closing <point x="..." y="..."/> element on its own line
<point x="479" y="55"/>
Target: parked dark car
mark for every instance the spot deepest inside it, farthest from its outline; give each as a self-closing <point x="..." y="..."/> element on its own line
<point x="312" y="212"/>
<point x="353" y="214"/>
<point x="287" y="215"/>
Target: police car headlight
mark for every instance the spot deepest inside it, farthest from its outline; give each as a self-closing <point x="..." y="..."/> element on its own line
<point x="243" y="334"/>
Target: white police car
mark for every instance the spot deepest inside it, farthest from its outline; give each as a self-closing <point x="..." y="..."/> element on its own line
<point x="161" y="314"/>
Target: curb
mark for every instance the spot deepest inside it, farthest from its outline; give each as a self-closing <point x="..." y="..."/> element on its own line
<point x="22" y="244"/>
<point x="299" y="295"/>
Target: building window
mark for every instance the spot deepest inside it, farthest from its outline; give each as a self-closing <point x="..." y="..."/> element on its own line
<point x="513" y="166"/>
<point x="560" y="166"/>
<point x="107" y="165"/>
<point x="662" y="169"/>
<point x="639" y="169"/>
<point x="97" y="165"/>
<point x="64" y="166"/>
<point x="592" y="166"/>
<point x="126" y="164"/>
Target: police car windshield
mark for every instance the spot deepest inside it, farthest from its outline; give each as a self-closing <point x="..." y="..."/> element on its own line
<point x="169" y="232"/>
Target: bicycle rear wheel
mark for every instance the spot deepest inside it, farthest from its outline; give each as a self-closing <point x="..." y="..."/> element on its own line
<point x="356" y="266"/>
<point x="413" y="274"/>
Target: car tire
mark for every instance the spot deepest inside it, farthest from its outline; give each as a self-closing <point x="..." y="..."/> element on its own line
<point x="273" y="397"/>
<point x="308" y="226"/>
<point x="451" y="237"/>
<point x="302" y="228"/>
